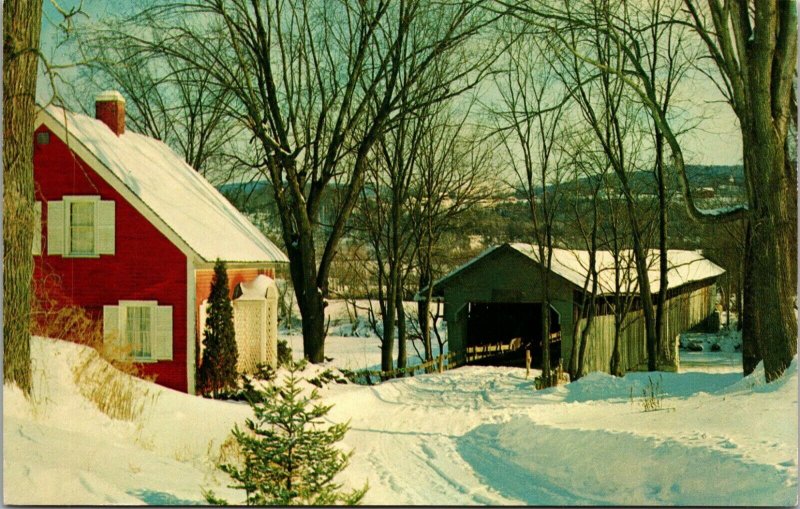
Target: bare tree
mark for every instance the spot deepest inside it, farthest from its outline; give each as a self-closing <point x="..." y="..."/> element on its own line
<point x="753" y="45"/>
<point x="594" y="170"/>
<point x="454" y="173"/>
<point x="317" y="83"/>
<point x="616" y="233"/>
<point x="531" y="123"/>
<point x="384" y="215"/>
<point x="429" y="170"/>
<point x="181" y="106"/>
<point x="612" y="116"/>
<point x="667" y="63"/>
<point x="21" y="27"/>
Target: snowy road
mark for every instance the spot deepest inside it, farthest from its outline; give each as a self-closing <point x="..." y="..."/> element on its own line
<point x="474" y="435"/>
<point x="482" y="435"/>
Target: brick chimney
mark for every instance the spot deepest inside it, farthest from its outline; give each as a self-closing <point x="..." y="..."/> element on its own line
<point x="109" y="107"/>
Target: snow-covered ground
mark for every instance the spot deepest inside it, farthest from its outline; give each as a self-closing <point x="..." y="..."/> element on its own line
<point x="351" y="343"/>
<point x="60" y="449"/>
<point x="473" y="435"/>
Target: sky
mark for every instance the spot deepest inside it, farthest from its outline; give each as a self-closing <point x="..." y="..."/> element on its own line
<point x="715" y="140"/>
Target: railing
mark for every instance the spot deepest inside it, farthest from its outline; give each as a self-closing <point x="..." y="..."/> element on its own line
<point x="439" y="363"/>
<point x="475" y="353"/>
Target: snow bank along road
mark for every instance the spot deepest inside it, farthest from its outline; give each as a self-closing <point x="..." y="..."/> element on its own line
<point x="481" y="435"/>
<point x="474" y="435"/>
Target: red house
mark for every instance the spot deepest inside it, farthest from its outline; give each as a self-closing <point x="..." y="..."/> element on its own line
<point x="132" y="232"/>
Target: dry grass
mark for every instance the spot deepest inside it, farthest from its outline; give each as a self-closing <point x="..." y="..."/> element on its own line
<point x="114" y="392"/>
<point x="109" y="385"/>
<point x="652" y="398"/>
<point x="183" y="454"/>
<point x="229" y="453"/>
<point x="143" y="440"/>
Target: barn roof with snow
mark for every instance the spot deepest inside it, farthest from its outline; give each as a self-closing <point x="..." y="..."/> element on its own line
<point x="573" y="265"/>
<point x="185" y="201"/>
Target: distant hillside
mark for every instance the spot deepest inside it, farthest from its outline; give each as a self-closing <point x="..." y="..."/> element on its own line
<point x="643" y="182"/>
<point x="727" y="181"/>
<point x="247" y="195"/>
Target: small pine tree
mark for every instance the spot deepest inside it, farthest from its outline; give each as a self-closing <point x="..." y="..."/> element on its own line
<point x="289" y="458"/>
<point x="218" y="368"/>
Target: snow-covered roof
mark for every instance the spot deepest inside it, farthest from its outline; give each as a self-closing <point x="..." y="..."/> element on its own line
<point x="187" y="203"/>
<point x="573" y="265"/>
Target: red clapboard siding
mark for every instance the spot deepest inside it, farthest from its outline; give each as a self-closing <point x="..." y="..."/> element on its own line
<point x="146" y="266"/>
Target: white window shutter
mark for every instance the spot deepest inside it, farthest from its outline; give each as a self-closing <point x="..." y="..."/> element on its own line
<point x="105" y="231"/>
<point x="112" y="339"/>
<point x="55" y="228"/>
<point x="162" y="349"/>
<point x="37" y="228"/>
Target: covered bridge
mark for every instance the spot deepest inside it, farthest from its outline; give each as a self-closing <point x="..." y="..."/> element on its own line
<point x="493" y="303"/>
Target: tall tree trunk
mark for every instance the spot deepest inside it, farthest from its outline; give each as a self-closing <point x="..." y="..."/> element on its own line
<point x="615" y="367"/>
<point x="740" y="294"/>
<point x="573" y="351"/>
<point x="728" y="302"/>
<point x="401" y="333"/>
<point x="423" y="314"/>
<point x="580" y="370"/>
<point x="21" y="26"/>
<point x="666" y="345"/>
<point x="755" y="46"/>
<point x="423" y="306"/>
<point x="750" y="353"/>
<point x="765" y="110"/>
<point x="620" y="310"/>
<point x="647" y="309"/>
<point x="389" y="313"/>
<point x="310" y="299"/>
<point x="546" y="371"/>
<point x="642" y="276"/>
<point x="771" y="251"/>
<point x="545" y="256"/>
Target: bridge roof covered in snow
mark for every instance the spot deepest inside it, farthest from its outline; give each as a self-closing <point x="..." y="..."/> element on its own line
<point x="685" y="267"/>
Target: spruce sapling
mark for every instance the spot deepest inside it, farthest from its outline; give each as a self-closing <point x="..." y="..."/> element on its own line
<point x="290" y="458"/>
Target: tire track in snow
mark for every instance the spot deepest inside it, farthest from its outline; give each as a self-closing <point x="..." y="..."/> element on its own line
<point x="401" y="448"/>
<point x="551" y="466"/>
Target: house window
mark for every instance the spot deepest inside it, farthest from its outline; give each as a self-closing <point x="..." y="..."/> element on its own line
<point x="138" y="330"/>
<point x="81" y="228"/>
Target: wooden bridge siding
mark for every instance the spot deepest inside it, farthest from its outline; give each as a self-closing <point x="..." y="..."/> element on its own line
<point x="683" y="311"/>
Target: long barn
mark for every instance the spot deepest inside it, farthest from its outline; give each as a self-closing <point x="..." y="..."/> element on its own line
<point x="493" y="303"/>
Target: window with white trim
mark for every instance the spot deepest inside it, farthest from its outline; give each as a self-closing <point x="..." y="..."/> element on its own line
<point x="81" y="226"/>
<point x="138" y="330"/>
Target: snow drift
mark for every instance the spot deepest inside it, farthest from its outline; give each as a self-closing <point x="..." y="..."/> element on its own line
<point x="473" y="435"/>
